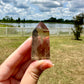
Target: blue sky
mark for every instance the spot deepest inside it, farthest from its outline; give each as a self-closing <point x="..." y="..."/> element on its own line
<point x="41" y="9"/>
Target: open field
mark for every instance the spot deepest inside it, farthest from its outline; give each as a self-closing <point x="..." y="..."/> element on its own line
<point x="66" y="54"/>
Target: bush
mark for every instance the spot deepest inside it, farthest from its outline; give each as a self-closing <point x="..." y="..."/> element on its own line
<point x="78" y="22"/>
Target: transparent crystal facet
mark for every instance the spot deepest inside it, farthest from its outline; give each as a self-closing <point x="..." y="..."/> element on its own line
<point x="40" y="42"/>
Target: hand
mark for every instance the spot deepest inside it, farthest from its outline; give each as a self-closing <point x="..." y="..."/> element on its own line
<point x="18" y="68"/>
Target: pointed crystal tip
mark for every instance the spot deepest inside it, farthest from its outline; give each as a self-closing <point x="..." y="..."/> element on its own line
<point x="42" y="25"/>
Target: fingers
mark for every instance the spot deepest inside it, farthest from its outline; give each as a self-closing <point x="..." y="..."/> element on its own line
<point x="22" y="54"/>
<point x="18" y="75"/>
<point x="32" y="74"/>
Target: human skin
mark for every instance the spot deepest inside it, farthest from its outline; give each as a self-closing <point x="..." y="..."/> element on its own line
<point x="19" y="68"/>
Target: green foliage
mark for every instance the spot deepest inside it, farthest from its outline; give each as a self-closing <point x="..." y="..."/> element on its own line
<point x="60" y="20"/>
<point x="78" y="22"/>
<point x="7" y="19"/>
<point x="19" y="20"/>
<point x="52" y="19"/>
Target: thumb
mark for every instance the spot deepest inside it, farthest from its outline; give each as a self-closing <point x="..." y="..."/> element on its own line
<point x="34" y="71"/>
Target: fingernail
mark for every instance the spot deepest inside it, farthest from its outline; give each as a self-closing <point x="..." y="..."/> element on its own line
<point x="46" y="64"/>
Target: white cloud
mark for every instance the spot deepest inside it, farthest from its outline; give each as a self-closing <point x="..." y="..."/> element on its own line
<point x="7" y="1"/>
<point x="41" y="9"/>
<point x="46" y="5"/>
<point x="75" y="5"/>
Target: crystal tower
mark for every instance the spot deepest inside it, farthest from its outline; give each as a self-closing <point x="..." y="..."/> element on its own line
<point x="40" y="42"/>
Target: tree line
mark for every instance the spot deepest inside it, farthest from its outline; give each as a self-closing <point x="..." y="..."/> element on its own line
<point x="19" y="20"/>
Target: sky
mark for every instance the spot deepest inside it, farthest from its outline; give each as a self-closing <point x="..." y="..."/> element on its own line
<point x="41" y="9"/>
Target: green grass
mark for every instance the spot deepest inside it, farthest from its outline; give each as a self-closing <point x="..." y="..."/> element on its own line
<point x="66" y="54"/>
<point x="3" y="25"/>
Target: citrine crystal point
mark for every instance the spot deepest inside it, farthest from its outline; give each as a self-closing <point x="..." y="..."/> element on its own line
<point x="40" y="42"/>
<point x="42" y="25"/>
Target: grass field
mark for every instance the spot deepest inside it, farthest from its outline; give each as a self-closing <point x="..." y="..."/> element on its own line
<point x="66" y="54"/>
<point x="3" y="25"/>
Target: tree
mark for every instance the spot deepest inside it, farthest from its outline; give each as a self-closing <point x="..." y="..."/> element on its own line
<point x="18" y="20"/>
<point x="24" y="20"/>
<point x="11" y="19"/>
<point x="60" y="20"/>
<point x="78" y="22"/>
<point x="52" y="19"/>
<point x="6" y="18"/>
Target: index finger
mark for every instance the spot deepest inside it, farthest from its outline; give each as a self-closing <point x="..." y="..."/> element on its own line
<point x="20" y="55"/>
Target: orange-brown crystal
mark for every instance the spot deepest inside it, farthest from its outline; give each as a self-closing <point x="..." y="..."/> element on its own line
<point x="40" y="42"/>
